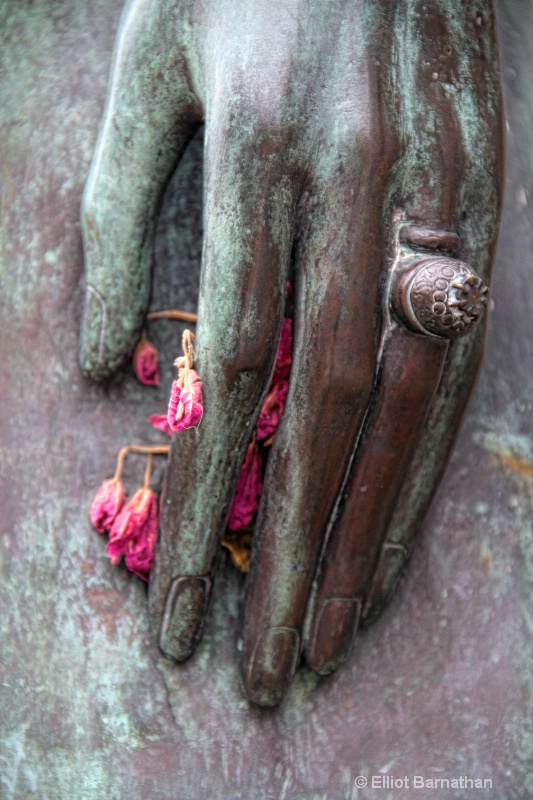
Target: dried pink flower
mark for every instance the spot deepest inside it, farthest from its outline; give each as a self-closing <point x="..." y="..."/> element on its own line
<point x="185" y="406"/>
<point x="139" y="559"/>
<point x="107" y="504"/>
<point x="134" y="533"/>
<point x="160" y="422"/>
<point x="271" y="410"/>
<point x="248" y="491"/>
<point x="274" y="403"/>
<point x="146" y="362"/>
<point x="284" y="355"/>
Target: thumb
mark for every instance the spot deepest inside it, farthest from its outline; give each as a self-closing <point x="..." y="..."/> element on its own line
<point x="150" y="116"/>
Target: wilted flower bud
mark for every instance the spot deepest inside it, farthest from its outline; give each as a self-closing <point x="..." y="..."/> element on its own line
<point x="271" y="410"/>
<point x="284" y="355"/>
<point x="107" y="504"/>
<point x="146" y="362"/>
<point x="248" y="491"/>
<point x="274" y="403"/>
<point x="185" y="407"/>
<point x="134" y="533"/>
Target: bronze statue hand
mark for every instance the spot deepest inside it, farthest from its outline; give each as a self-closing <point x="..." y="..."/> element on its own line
<point x="366" y="140"/>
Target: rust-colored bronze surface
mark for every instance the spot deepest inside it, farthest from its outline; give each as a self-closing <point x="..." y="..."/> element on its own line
<point x="440" y="686"/>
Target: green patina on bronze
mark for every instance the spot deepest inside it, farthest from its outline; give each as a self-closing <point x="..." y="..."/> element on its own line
<point x="90" y="708"/>
<point x="322" y="137"/>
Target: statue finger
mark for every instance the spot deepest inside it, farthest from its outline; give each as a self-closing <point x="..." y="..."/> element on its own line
<point x="151" y="113"/>
<point x="422" y="475"/>
<point x="478" y="189"/>
<point x="246" y="256"/>
<point x="438" y="175"/>
<point x="429" y="459"/>
<point x="337" y="301"/>
<point x="410" y="371"/>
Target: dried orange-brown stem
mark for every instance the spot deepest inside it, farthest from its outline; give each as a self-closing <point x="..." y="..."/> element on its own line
<point x="158" y="450"/>
<point x="172" y="313"/>
<point x="188" y="349"/>
<point x="148" y="472"/>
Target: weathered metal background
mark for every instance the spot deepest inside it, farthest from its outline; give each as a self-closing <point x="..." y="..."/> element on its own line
<point x="440" y="686"/>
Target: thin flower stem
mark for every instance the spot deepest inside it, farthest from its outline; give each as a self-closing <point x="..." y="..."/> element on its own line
<point x="188" y="349"/>
<point x="172" y="313"/>
<point x="158" y="450"/>
<point x="148" y="472"/>
<point x="120" y="463"/>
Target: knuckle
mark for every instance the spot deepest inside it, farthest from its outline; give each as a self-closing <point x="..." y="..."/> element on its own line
<point x="345" y="390"/>
<point x="265" y="110"/>
<point x="248" y="357"/>
<point x="377" y="144"/>
<point x="257" y="109"/>
<point x="363" y="150"/>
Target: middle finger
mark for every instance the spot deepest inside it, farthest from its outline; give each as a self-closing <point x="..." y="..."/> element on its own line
<point x="335" y="348"/>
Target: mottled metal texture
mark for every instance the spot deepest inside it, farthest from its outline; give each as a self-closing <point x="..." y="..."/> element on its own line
<point x="440" y="685"/>
<point x="321" y="140"/>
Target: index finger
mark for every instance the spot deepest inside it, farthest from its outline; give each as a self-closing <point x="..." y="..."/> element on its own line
<point x="245" y="262"/>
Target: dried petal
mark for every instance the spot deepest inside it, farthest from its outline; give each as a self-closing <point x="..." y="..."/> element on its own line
<point x="146" y="362"/>
<point x="134" y="533"/>
<point x="194" y="384"/>
<point x="284" y="354"/>
<point x="250" y="483"/>
<point x="272" y="409"/>
<point x="185" y="407"/>
<point x="248" y="491"/>
<point x="160" y="422"/>
<point x="139" y="558"/>
<point x="239" y="544"/>
<point x="106" y="504"/>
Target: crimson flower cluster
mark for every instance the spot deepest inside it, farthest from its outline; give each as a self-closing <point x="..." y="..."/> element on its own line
<point x="250" y="484"/>
<point x="132" y="526"/>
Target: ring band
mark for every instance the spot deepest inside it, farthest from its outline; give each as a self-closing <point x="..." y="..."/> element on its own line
<point x="440" y="297"/>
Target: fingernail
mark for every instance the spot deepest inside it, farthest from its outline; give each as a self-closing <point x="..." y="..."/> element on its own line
<point x="93" y="331"/>
<point x="335" y="634"/>
<point x="272" y="666"/>
<point x="184" y="615"/>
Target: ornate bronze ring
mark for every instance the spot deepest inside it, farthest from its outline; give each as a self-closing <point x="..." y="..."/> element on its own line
<point x="440" y="297"/>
